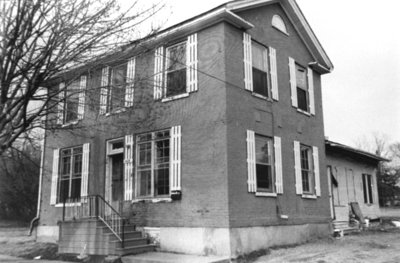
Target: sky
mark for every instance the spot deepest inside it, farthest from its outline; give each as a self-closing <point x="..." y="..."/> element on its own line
<point x="362" y="95"/>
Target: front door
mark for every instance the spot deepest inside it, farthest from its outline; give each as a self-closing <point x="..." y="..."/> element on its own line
<point x="114" y="191"/>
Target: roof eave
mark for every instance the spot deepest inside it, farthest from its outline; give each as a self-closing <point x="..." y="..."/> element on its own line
<point x="346" y="148"/>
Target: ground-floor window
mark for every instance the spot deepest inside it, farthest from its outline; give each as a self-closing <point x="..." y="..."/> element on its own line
<point x="367" y="187"/>
<point x="264" y="164"/>
<point x="153" y="162"/>
<point x="69" y="184"/>
<point x="307" y="175"/>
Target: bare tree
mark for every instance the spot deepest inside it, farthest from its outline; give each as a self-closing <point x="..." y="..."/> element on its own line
<point x="41" y="38"/>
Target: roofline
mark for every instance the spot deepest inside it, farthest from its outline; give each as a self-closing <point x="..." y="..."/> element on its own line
<point x="356" y="151"/>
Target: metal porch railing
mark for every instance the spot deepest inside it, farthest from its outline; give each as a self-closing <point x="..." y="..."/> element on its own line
<point x="96" y="207"/>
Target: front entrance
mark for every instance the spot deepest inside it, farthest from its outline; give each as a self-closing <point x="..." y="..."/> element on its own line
<point x="114" y="192"/>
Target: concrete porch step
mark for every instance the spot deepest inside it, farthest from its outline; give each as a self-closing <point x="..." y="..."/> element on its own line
<point x="159" y="257"/>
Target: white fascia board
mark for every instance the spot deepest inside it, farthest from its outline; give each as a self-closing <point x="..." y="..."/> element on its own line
<point x="244" y="4"/>
<point x="208" y="19"/>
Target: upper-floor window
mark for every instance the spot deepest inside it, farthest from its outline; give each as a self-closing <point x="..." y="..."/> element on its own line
<point x="116" y="89"/>
<point x="302" y="87"/>
<point x="71" y="101"/>
<point x="71" y="104"/>
<point x="117" y="86"/>
<point x="260" y="69"/>
<point x="279" y="24"/>
<point x="264" y="163"/>
<point x="175" y="70"/>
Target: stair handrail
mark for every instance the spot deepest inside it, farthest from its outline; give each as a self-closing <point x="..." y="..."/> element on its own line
<point x="117" y="222"/>
<point x="95" y="206"/>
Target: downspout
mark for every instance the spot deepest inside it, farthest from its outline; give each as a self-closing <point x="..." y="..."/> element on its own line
<point x="36" y="219"/>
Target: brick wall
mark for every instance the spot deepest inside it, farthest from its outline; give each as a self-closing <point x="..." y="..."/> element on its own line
<point x="277" y="119"/>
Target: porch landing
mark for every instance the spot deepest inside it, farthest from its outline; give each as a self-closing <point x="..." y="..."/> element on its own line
<point x="159" y="257"/>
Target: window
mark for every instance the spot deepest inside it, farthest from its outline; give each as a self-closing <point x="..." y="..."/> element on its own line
<point x="367" y="187"/>
<point x="153" y="162"/>
<point x="70" y="173"/>
<point x="302" y="87"/>
<point x="307" y="173"/>
<point x="69" y="185"/>
<point x="175" y="70"/>
<point x="302" y="90"/>
<point x="306" y="169"/>
<point x="264" y="164"/>
<point x="279" y="24"/>
<point x="117" y="86"/>
<point x="71" y="102"/>
<point x="260" y="69"/>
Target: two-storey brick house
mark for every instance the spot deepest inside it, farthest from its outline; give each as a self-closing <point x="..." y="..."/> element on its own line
<point x="232" y="158"/>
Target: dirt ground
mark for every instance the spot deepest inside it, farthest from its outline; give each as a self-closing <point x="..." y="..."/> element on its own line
<point x="379" y="245"/>
<point x="371" y="246"/>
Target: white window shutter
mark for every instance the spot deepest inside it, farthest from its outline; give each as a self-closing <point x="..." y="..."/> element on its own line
<point x="158" y="72"/>
<point x="175" y="163"/>
<point x="311" y="90"/>
<point x="251" y="162"/>
<point x="54" y="177"/>
<point x="293" y="84"/>
<point x="297" y="168"/>
<point x="274" y="74"/>
<point x="191" y="63"/>
<point x="316" y="171"/>
<point x="85" y="170"/>
<point x="248" y="62"/>
<point x="104" y="90"/>
<point x="278" y="165"/>
<point x="82" y="97"/>
<point x="128" y="167"/>
<point x="60" y="107"/>
<point x="130" y="85"/>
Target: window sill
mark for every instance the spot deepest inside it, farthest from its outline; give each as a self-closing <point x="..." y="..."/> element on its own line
<point x="304" y="112"/>
<point x="261" y="96"/>
<point x="153" y="200"/>
<point x="68" y="204"/>
<point x="306" y="196"/>
<point x="283" y="32"/>
<point x="263" y="194"/>
<point x="176" y="97"/>
<point x="120" y="110"/>
<point x="65" y="125"/>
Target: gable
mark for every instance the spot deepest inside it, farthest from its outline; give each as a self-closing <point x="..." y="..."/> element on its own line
<point x="321" y="63"/>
